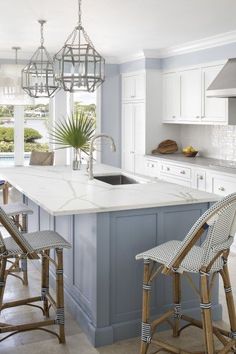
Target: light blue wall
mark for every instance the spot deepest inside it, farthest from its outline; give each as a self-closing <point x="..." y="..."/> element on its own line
<point x="111" y="114"/>
<point x="141" y="64"/>
<point x="202" y="56"/>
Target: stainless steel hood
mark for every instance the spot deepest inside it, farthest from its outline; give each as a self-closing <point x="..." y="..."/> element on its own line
<point x="224" y="84"/>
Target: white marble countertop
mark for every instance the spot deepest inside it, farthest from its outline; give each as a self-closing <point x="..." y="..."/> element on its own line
<point x="61" y="191"/>
<point x="224" y="166"/>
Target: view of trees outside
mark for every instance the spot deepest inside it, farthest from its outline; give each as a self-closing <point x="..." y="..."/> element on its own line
<point x="36" y="124"/>
<point x="85" y="102"/>
<point x="35" y="131"/>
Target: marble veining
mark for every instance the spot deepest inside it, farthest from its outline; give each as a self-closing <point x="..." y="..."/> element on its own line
<point x="61" y="191"/>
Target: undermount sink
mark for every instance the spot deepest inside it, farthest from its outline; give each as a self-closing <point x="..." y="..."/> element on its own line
<point x="116" y="179"/>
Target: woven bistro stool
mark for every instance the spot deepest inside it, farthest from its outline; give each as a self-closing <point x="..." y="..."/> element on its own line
<point x="33" y="245"/>
<point x="176" y="258"/>
<point x="19" y="213"/>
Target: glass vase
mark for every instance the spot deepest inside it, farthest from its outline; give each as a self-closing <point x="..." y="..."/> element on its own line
<point x="76" y="164"/>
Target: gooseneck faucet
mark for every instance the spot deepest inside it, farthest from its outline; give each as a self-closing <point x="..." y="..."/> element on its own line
<point x="113" y="147"/>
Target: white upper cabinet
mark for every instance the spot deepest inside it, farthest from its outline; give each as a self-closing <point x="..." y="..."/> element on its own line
<point x="190" y="95"/>
<point x="171" y="97"/>
<point x="213" y="109"/>
<point x="185" y="98"/>
<point x="133" y="87"/>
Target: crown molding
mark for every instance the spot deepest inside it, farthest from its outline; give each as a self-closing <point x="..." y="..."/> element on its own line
<point x="184" y="48"/>
<point x="197" y="45"/>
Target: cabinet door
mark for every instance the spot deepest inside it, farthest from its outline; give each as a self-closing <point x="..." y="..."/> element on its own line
<point x="139" y="137"/>
<point x="128" y="87"/>
<point x="133" y="87"/>
<point x="199" y="181"/>
<point x="171" y="97"/>
<point x="214" y="109"/>
<point x="190" y="93"/>
<point x="128" y="137"/>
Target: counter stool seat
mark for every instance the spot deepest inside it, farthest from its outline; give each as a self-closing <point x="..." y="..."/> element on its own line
<point x="33" y="246"/>
<point x="39" y="241"/>
<point x="192" y="263"/>
<point x="204" y="250"/>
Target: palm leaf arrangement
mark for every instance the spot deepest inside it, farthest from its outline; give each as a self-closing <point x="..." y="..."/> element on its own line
<point x="75" y="132"/>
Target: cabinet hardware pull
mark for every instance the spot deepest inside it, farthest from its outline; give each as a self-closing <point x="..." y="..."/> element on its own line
<point x="200" y="177"/>
<point x="221" y="189"/>
<point x="168" y="168"/>
<point x="197" y="117"/>
<point x="182" y="172"/>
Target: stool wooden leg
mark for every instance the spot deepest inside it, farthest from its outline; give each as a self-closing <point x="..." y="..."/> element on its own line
<point x="45" y="281"/>
<point x="60" y="295"/>
<point x="24" y="261"/>
<point x="3" y="265"/>
<point x="5" y="193"/>
<point x="229" y="299"/>
<point x="146" y="326"/>
<point x="177" y="303"/>
<point x="206" y="314"/>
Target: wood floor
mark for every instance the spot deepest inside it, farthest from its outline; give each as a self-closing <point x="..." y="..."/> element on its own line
<point x="37" y="342"/>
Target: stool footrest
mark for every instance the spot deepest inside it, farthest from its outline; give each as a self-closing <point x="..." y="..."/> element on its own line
<point x="20" y="302"/>
<point x="26" y="327"/>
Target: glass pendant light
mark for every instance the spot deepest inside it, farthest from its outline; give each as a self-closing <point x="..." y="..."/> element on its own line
<point x="11" y="92"/>
<point x="78" y="65"/>
<point x="38" y="77"/>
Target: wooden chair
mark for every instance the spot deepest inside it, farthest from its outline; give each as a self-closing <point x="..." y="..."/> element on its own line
<point x="38" y="158"/>
<point x="33" y="245"/>
<point x="176" y="258"/>
<point x="19" y="212"/>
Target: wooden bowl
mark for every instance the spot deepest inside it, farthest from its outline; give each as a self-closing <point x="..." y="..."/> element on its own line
<point x="190" y="154"/>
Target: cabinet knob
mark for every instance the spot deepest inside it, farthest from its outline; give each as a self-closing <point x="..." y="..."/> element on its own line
<point x="182" y="172"/>
<point x="200" y="177"/>
<point x="152" y="165"/>
<point x="168" y="168"/>
<point x="222" y="189"/>
<point x="173" y="117"/>
<point x="197" y="117"/>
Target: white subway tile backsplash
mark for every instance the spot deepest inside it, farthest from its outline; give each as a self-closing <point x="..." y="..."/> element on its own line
<point x="212" y="141"/>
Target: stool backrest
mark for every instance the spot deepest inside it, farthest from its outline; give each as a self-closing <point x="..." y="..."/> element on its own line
<point x="18" y="236"/>
<point x="40" y="158"/>
<point x="220" y="222"/>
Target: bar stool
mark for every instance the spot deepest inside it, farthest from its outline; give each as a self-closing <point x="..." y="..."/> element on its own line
<point x="18" y="211"/>
<point x="33" y="245"/>
<point x="176" y="258"/>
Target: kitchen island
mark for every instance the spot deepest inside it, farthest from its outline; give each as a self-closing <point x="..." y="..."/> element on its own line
<point x="107" y="226"/>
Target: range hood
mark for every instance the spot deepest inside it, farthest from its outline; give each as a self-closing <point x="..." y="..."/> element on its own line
<point x="224" y="84"/>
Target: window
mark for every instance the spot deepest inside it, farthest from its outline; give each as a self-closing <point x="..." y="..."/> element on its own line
<point x="6" y="135"/>
<point x="36" y="127"/>
<point x="85" y="102"/>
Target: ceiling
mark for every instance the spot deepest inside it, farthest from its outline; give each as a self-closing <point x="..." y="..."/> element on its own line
<point x="118" y="28"/>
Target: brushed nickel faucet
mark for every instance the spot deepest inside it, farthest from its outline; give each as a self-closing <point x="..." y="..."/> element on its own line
<point x="113" y="147"/>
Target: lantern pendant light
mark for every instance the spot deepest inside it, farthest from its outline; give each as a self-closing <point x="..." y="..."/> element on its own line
<point x="11" y="92"/>
<point x="78" y="65"/>
<point x="38" y="76"/>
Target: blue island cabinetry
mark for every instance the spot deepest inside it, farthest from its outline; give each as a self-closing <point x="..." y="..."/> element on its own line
<point x="103" y="281"/>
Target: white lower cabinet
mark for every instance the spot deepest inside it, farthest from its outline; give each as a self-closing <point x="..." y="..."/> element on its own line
<point x="199" y="179"/>
<point x="133" y="137"/>
<point x="152" y="168"/>
<point x="221" y="184"/>
<point x="175" y="173"/>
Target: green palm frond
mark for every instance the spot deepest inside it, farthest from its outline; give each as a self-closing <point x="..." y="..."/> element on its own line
<point x="75" y="132"/>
